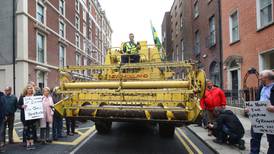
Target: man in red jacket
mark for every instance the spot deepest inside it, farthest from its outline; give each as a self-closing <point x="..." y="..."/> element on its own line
<point x="214" y="97"/>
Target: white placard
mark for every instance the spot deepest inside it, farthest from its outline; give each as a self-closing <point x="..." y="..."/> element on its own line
<point x="34" y="109"/>
<point x="262" y="120"/>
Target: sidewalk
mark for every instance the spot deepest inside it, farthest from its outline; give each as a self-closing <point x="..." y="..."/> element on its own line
<point x="226" y="149"/>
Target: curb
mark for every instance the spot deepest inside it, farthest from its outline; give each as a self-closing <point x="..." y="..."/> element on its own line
<point x="187" y="127"/>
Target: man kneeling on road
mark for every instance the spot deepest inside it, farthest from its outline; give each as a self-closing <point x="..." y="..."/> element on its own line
<point x="227" y="128"/>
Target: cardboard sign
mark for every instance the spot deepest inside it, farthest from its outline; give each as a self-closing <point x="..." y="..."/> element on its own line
<point x="262" y="120"/>
<point x="34" y="109"/>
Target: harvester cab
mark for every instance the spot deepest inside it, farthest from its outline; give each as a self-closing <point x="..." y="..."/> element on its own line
<point x="151" y="91"/>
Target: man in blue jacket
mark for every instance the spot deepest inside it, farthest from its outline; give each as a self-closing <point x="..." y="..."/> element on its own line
<point x="2" y="120"/>
<point x="11" y="107"/>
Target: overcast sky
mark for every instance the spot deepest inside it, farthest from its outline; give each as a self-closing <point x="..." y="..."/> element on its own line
<point x="133" y="16"/>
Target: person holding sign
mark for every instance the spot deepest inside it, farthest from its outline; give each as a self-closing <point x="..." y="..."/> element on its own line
<point x="266" y="93"/>
<point x="29" y="125"/>
<point x="46" y="121"/>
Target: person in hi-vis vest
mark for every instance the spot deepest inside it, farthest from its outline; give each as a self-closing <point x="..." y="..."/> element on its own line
<point x="131" y="51"/>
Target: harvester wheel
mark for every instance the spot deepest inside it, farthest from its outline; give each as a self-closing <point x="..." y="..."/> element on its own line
<point x="103" y="127"/>
<point x="166" y="130"/>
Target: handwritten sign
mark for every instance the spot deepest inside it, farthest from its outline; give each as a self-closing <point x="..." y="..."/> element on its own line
<point x="262" y="121"/>
<point x="34" y="109"/>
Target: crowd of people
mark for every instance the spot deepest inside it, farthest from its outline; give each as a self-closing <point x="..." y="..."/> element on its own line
<point x="51" y="123"/>
<point x="225" y="125"/>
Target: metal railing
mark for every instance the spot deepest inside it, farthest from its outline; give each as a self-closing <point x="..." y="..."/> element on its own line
<point x="237" y="98"/>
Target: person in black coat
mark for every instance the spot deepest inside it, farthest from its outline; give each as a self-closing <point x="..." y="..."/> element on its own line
<point x="227" y="128"/>
<point x="2" y="120"/>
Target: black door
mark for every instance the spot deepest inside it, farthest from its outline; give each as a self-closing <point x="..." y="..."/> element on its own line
<point x="235" y="89"/>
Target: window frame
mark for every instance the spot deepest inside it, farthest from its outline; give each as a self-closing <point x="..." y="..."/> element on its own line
<point x="196" y="10"/>
<point x="64" y="7"/>
<point x="258" y="14"/>
<point x="77" y="6"/>
<point x="64" y="55"/>
<point x="77" y="22"/>
<point x="38" y="4"/>
<point x="231" y="27"/>
<point x="197" y="41"/>
<point x="61" y="22"/>
<point x="77" y="40"/>
<point x="44" y="48"/>
<point x="212" y="31"/>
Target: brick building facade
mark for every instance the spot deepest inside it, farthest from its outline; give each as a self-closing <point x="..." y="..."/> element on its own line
<point x="56" y="33"/>
<point x="196" y="34"/>
<point x="248" y="40"/>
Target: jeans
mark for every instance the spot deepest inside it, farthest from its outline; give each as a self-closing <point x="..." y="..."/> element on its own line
<point x="255" y="142"/>
<point x="227" y="135"/>
<point x="57" y="126"/>
<point x="9" y="123"/>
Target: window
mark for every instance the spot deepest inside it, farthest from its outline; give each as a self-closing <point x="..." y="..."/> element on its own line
<point x="197" y="42"/>
<point x="41" y="79"/>
<point x="264" y="12"/>
<point x="40" y="43"/>
<point x="78" y="59"/>
<point x="40" y="13"/>
<point x="77" y="40"/>
<point x="84" y="15"/>
<point x="214" y="71"/>
<point x="84" y="30"/>
<point x="234" y="27"/>
<point x="212" y="33"/>
<point x="177" y="53"/>
<point x="62" y="56"/>
<point x="196" y="9"/>
<point x="77" y="22"/>
<point x="61" y="28"/>
<point x="62" y="7"/>
<point x="77" y="5"/>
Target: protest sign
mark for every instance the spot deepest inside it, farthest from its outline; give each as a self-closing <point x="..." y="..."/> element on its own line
<point x="262" y="121"/>
<point x="34" y="108"/>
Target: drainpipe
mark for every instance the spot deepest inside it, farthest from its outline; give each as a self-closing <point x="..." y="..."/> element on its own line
<point x="220" y="40"/>
<point x="14" y="44"/>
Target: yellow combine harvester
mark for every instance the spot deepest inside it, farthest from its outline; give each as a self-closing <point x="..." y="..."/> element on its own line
<point x="147" y="91"/>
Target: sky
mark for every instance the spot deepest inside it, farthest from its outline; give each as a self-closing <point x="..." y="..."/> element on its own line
<point x="133" y="16"/>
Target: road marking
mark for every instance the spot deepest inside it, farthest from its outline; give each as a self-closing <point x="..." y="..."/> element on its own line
<point x="84" y="142"/>
<point x="189" y="141"/>
<point x="16" y="138"/>
<point x="79" y="139"/>
<point x="184" y="143"/>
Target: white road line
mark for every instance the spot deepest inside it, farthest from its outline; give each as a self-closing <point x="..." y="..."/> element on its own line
<point x="84" y="142"/>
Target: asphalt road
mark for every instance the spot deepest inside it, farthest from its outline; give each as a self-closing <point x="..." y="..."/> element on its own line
<point x="130" y="138"/>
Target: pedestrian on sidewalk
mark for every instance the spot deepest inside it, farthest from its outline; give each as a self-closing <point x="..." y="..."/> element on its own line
<point x="46" y="121"/>
<point x="37" y="92"/>
<point x="266" y="93"/>
<point x="11" y="107"/>
<point x="227" y="128"/>
<point x="2" y="120"/>
<point x="57" y="127"/>
<point x="29" y="125"/>
<point x="214" y="97"/>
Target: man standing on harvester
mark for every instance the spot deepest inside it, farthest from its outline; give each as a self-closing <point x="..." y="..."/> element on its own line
<point x="131" y="51"/>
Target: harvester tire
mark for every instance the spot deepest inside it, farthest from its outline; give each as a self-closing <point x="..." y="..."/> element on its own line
<point x="103" y="127"/>
<point x="166" y="130"/>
